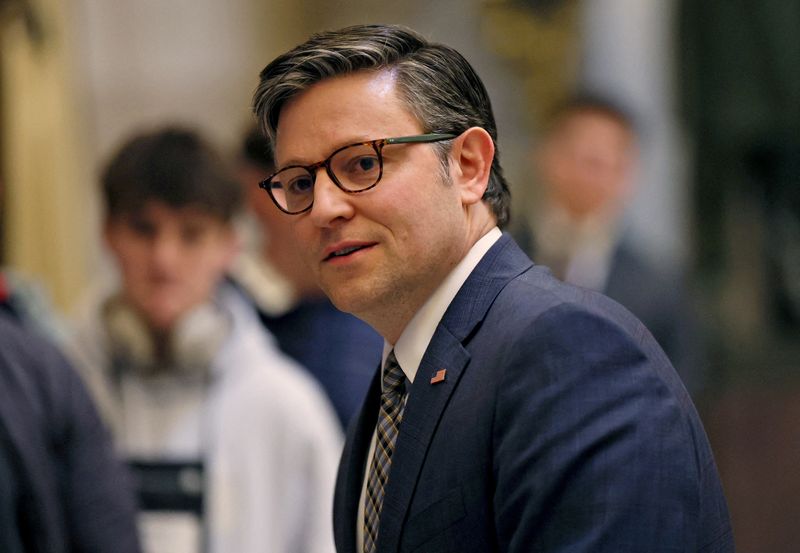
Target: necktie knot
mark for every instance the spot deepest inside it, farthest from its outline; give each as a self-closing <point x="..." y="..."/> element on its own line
<point x="394" y="381"/>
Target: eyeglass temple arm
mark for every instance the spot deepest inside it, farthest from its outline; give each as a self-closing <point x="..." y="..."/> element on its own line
<point x="431" y="137"/>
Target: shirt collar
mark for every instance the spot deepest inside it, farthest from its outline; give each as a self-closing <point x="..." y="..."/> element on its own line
<point x="414" y="340"/>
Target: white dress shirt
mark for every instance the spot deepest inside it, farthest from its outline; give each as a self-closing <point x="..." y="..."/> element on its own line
<point x="414" y="340"/>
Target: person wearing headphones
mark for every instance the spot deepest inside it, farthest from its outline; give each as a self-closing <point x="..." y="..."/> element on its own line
<point x="233" y="446"/>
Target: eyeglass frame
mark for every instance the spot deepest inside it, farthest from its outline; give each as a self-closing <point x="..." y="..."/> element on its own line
<point x="377" y="145"/>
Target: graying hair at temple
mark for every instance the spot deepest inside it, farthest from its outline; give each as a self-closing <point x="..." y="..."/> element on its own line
<point x="436" y="83"/>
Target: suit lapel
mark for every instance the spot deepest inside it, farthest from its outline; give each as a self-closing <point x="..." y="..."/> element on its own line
<point x="426" y="401"/>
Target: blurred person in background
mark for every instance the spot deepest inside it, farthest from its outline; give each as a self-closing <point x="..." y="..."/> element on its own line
<point x="585" y="171"/>
<point x="62" y="489"/>
<point x="340" y="350"/>
<point x="234" y="447"/>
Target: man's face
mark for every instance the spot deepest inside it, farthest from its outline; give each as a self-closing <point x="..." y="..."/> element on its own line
<point x="586" y="163"/>
<point x="384" y="250"/>
<point x="269" y="218"/>
<point x="170" y="259"/>
<point x="278" y="244"/>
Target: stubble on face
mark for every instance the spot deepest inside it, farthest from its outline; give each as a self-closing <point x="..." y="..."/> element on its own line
<point x="413" y="257"/>
<point x="412" y="220"/>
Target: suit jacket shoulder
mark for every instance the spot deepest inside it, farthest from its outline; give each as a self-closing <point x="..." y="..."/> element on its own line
<point x="560" y="426"/>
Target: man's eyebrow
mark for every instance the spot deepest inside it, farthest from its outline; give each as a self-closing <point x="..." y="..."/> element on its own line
<point x="289" y="163"/>
<point x="341" y="144"/>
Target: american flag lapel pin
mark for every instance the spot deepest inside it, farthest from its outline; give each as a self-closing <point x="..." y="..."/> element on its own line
<point x="439" y="376"/>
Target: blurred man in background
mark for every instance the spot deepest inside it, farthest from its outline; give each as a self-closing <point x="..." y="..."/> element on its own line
<point x="585" y="170"/>
<point x="340" y="350"/>
<point x="233" y="445"/>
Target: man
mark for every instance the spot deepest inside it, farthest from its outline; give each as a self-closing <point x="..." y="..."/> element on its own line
<point x="340" y="350"/>
<point x="585" y="162"/>
<point x="512" y="412"/>
<point x="234" y="446"/>
<point x="61" y="488"/>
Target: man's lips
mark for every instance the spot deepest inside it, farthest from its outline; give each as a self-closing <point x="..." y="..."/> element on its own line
<point x="344" y="249"/>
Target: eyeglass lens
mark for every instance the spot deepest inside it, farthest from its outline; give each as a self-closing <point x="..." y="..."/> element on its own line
<point x="354" y="168"/>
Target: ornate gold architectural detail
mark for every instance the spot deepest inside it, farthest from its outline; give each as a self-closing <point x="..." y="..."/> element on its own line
<point x="543" y="45"/>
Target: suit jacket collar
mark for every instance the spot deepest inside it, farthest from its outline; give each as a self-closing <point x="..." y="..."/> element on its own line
<point x="500" y="265"/>
<point x="425" y="405"/>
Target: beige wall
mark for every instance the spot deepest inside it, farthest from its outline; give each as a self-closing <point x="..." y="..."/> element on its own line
<point x="44" y="155"/>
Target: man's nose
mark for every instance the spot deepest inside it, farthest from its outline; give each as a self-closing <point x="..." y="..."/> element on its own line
<point x="331" y="203"/>
<point x="165" y="250"/>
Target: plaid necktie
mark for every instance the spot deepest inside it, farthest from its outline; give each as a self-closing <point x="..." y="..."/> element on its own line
<point x="389" y="418"/>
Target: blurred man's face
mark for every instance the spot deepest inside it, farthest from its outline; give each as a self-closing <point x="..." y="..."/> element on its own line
<point x="278" y="244"/>
<point x="271" y="220"/>
<point x="385" y="250"/>
<point x="585" y="164"/>
<point x="170" y="259"/>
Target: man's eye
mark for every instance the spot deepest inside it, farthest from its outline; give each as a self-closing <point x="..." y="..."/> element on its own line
<point x="368" y="163"/>
<point x="194" y="233"/>
<point x="362" y="164"/>
<point x="142" y="227"/>
<point x="300" y="185"/>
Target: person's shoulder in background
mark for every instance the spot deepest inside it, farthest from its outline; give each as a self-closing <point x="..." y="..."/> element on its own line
<point x="61" y="449"/>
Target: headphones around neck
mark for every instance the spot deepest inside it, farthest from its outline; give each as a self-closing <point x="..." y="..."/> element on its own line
<point x="190" y="346"/>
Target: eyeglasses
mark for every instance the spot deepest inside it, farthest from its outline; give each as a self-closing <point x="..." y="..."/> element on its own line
<point x="353" y="168"/>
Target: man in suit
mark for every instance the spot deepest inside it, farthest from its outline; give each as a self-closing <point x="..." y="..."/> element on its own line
<point x="512" y="412"/>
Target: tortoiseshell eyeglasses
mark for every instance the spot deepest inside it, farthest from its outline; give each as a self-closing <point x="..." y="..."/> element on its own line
<point x="353" y="168"/>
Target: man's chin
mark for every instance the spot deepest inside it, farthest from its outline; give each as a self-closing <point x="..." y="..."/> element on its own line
<point x="342" y="303"/>
<point x="360" y="301"/>
<point x="162" y="320"/>
<point x="345" y="298"/>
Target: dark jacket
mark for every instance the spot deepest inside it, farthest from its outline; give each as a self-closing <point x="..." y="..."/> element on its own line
<point x="560" y="427"/>
<point x="76" y="495"/>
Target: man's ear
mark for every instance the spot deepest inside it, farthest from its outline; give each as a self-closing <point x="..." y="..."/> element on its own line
<point x="471" y="163"/>
<point x="109" y="234"/>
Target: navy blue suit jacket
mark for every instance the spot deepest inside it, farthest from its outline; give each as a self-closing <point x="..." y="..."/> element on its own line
<point x="560" y="427"/>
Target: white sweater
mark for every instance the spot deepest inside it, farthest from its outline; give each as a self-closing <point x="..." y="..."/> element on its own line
<point x="266" y="432"/>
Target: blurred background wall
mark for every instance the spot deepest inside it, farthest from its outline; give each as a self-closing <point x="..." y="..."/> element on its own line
<point x="714" y="86"/>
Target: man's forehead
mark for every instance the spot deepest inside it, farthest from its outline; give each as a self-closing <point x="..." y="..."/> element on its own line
<point x="368" y="98"/>
<point x="159" y="210"/>
<point x="579" y="122"/>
